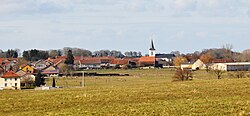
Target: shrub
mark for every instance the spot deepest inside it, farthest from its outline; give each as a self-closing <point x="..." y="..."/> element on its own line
<point x="183" y="75"/>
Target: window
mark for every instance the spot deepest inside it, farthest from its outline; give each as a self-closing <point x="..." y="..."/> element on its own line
<point x="6" y="79"/>
<point x="15" y="79"/>
<point x="6" y="84"/>
<point x="10" y="79"/>
<point x="15" y="84"/>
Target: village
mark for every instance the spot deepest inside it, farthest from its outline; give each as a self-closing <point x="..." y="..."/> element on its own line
<point x="25" y="75"/>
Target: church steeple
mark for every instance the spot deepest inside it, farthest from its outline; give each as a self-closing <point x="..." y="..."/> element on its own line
<point x="152" y="45"/>
<point x="152" y="49"/>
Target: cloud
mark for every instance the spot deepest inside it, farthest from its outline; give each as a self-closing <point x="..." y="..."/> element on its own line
<point x="204" y="8"/>
<point x="185" y="4"/>
<point x="201" y="34"/>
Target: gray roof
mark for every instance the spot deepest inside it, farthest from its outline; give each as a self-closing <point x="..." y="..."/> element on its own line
<point x="164" y="55"/>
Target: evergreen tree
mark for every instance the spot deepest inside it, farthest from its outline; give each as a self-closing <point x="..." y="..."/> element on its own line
<point x="15" y="55"/>
<point x="54" y="82"/>
<point x="39" y="80"/>
<point x="26" y="55"/>
<point x="70" y="58"/>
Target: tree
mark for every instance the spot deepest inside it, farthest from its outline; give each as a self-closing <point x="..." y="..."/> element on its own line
<point x="244" y="56"/>
<point x="182" y="75"/>
<point x="228" y="50"/>
<point x="34" y="55"/>
<point x="19" y="63"/>
<point x="218" y="72"/>
<point x="206" y="58"/>
<point x="176" y="53"/>
<point x="81" y="52"/>
<point x="39" y="80"/>
<point x="178" y="60"/>
<point x="54" y="82"/>
<point x="28" y="81"/>
<point x="26" y="55"/>
<point x="54" y="53"/>
<point x="11" y="54"/>
<point x="64" y="68"/>
<point x="70" y="58"/>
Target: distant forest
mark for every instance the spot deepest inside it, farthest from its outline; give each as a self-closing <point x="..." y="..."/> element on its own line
<point x="225" y="52"/>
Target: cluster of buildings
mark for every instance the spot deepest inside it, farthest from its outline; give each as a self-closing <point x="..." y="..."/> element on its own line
<point x="53" y="66"/>
<point x="10" y="79"/>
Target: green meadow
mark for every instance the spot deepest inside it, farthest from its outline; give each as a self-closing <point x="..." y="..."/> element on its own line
<point x="144" y="92"/>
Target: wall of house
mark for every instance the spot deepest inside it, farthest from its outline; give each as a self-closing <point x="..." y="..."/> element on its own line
<point x="198" y="65"/>
<point x="238" y="67"/>
<point x="1" y="82"/>
<point x="186" y="66"/>
<point x="28" y="69"/>
<point x="219" y="66"/>
<point x="10" y="83"/>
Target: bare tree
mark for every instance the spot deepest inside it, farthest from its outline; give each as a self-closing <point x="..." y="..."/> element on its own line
<point x="182" y="75"/>
<point x="28" y="81"/>
<point x="218" y="73"/>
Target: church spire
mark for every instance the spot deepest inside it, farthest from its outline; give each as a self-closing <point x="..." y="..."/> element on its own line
<point x="152" y="49"/>
<point x="152" y="45"/>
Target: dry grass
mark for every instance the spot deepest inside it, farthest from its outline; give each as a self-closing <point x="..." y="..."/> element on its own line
<point x="146" y="92"/>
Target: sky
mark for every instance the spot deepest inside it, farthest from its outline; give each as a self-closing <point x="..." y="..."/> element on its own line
<point x="126" y="25"/>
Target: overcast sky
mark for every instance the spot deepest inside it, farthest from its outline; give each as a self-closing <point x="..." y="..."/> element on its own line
<point x="183" y="25"/>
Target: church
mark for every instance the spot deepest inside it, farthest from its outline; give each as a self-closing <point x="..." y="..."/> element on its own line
<point x="156" y="60"/>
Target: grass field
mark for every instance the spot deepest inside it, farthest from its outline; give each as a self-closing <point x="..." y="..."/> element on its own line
<point x="145" y="92"/>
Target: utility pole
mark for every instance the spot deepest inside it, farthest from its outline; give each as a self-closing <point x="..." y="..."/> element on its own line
<point x="83" y="79"/>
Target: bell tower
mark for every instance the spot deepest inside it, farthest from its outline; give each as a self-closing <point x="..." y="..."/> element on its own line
<point x="152" y="49"/>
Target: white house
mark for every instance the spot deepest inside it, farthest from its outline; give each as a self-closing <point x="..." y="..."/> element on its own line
<point x="186" y="66"/>
<point x="10" y="80"/>
<point x="198" y="64"/>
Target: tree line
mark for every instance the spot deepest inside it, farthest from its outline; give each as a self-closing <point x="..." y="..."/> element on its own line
<point x="34" y="54"/>
<point x="206" y="55"/>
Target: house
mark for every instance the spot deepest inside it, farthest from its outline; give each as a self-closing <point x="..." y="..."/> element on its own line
<point x="119" y="63"/>
<point x="21" y="73"/>
<point x="51" y="71"/>
<point x="7" y="63"/>
<point x="26" y="77"/>
<point x="146" y="61"/>
<point x="233" y="66"/>
<point x="186" y="66"/>
<point x="89" y="64"/>
<point x="10" y="80"/>
<point x="28" y="68"/>
<point x="41" y="64"/>
<point x="94" y="62"/>
<point x="198" y="64"/>
<point x="165" y="59"/>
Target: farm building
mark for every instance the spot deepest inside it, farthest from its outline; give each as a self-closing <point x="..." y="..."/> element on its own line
<point x="198" y="64"/>
<point x="233" y="66"/>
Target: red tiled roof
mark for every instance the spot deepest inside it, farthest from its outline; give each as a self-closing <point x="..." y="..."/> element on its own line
<point x="61" y="57"/>
<point x="120" y="61"/>
<point x="50" y="72"/>
<point x="10" y="74"/>
<point x="91" y="61"/>
<point x="222" y="61"/>
<point x="147" y="59"/>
